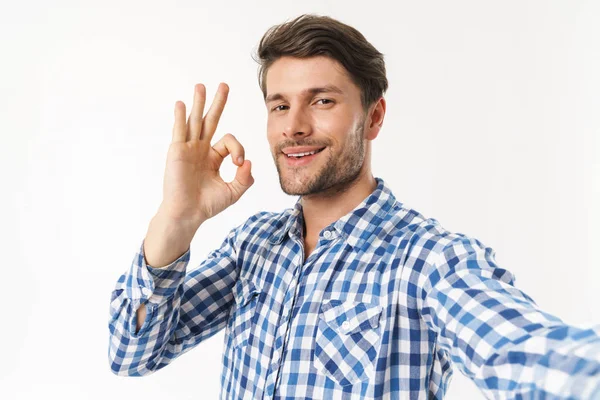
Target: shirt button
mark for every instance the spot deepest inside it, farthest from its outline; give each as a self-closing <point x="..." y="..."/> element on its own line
<point x="146" y="292"/>
<point x="345" y="325"/>
<point x="327" y="235"/>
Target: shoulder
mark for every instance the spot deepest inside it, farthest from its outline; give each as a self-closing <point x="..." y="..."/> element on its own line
<point x="263" y="225"/>
<point x="441" y="254"/>
<point x="417" y="232"/>
<point x="426" y="240"/>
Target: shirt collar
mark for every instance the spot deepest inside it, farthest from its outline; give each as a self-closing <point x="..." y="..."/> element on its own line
<point x="356" y="227"/>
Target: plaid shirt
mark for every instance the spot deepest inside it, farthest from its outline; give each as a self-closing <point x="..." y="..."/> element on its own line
<point x="384" y="307"/>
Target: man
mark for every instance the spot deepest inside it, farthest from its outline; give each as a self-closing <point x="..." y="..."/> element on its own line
<point x="349" y="294"/>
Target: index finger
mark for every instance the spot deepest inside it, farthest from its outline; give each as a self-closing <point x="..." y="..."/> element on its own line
<point x="209" y="126"/>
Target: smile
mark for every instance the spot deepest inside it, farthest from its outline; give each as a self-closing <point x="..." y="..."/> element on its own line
<point x="300" y="155"/>
<point x="300" y="159"/>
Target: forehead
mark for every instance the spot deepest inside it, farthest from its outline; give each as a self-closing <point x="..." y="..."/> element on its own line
<point x="290" y="75"/>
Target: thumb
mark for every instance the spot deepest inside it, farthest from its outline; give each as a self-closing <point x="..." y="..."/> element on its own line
<point x="243" y="179"/>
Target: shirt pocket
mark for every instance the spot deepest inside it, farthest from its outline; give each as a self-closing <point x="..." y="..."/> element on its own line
<point x="347" y="340"/>
<point x="245" y="294"/>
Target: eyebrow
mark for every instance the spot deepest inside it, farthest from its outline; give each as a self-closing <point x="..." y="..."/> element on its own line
<point x="311" y="91"/>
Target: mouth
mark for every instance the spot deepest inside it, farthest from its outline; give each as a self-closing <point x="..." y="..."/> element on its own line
<point x="298" y="155"/>
<point x="301" y="158"/>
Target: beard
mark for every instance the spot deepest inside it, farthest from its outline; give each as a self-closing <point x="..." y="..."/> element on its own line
<point x="337" y="174"/>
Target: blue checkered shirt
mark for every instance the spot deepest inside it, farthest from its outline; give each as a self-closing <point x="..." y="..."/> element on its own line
<point x="384" y="307"/>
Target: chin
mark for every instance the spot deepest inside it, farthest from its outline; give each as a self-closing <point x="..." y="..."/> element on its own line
<point x="294" y="185"/>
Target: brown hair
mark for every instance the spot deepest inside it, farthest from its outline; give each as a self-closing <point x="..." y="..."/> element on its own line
<point x="312" y="35"/>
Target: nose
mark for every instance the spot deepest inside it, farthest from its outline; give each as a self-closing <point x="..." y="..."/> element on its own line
<point x="297" y="123"/>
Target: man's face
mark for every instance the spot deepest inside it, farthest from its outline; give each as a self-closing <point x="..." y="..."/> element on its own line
<point x="313" y="106"/>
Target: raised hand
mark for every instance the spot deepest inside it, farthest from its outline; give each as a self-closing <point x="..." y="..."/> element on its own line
<point x="193" y="190"/>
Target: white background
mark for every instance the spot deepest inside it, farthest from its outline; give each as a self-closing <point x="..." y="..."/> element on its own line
<point x="492" y="128"/>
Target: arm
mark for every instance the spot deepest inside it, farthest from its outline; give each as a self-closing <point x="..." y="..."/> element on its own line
<point x="165" y="242"/>
<point x="181" y="310"/>
<point x="497" y="335"/>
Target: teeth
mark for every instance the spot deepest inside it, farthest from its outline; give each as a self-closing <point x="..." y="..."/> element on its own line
<point x="302" y="154"/>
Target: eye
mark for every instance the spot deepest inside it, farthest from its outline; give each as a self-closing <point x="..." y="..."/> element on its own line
<point x="278" y="108"/>
<point x="325" y="101"/>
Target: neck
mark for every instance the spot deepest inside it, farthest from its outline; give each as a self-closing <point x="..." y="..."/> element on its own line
<point x="321" y="209"/>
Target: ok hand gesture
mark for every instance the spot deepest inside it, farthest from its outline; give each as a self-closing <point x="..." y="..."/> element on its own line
<point x="193" y="189"/>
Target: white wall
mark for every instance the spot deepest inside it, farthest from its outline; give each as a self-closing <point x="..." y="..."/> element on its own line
<point x="492" y="128"/>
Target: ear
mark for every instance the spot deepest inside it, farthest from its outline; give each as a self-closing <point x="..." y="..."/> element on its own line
<point x="375" y="119"/>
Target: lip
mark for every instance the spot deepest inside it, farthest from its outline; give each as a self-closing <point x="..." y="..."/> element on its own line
<point x="300" y="149"/>
<point x="302" y="161"/>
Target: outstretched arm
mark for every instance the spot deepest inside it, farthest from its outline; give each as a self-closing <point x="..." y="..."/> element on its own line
<point x="498" y="336"/>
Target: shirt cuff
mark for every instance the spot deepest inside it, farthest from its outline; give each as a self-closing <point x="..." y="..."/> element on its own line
<point x="155" y="285"/>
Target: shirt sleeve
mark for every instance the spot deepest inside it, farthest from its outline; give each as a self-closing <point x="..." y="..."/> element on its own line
<point x="181" y="310"/>
<point x="498" y="336"/>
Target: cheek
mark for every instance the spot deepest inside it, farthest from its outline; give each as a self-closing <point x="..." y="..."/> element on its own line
<point x="337" y="122"/>
<point x="337" y="130"/>
<point x="271" y="132"/>
<point x="326" y="120"/>
<point x="274" y="128"/>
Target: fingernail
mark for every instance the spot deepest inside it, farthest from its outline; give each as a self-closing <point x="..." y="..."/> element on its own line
<point x="240" y="160"/>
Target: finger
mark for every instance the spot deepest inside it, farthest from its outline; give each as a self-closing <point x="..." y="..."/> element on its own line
<point x="230" y="145"/>
<point x="242" y="181"/>
<point x="179" y="127"/>
<point x="195" y="119"/>
<point x="214" y="113"/>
